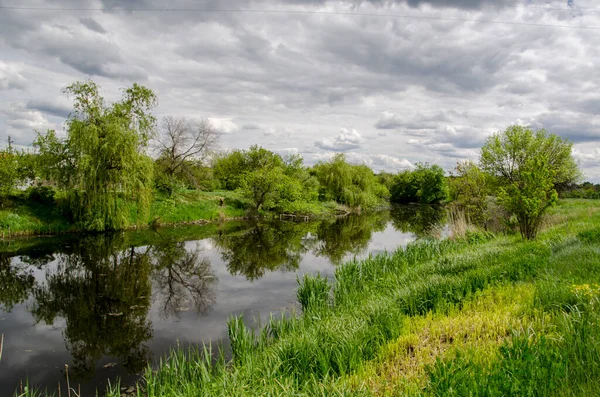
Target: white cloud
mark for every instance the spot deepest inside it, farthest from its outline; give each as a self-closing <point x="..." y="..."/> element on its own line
<point x="344" y="141"/>
<point x="10" y="77"/>
<point x="224" y="126"/>
<point x="22" y="123"/>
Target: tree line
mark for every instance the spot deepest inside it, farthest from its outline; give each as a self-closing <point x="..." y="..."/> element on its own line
<point x="117" y="154"/>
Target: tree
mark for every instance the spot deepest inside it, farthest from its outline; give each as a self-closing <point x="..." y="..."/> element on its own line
<point x="504" y="154"/>
<point x="350" y="184"/>
<point x="9" y="171"/>
<point x="231" y="169"/>
<point x="470" y="188"/>
<point x="425" y="184"/>
<point x="180" y="143"/>
<point x="102" y="162"/>
<point x="529" y="166"/>
<point x="264" y="186"/>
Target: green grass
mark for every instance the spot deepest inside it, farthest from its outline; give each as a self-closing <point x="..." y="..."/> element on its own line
<point x="29" y="217"/>
<point x="475" y="316"/>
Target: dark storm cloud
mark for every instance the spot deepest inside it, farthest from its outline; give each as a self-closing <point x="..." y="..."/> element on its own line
<point x="54" y="107"/>
<point x="579" y="128"/>
<point x="91" y="24"/>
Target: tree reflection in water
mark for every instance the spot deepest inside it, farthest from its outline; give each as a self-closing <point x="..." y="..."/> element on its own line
<point x="16" y="283"/>
<point x="265" y="247"/>
<point x="103" y="293"/>
<point x="422" y="220"/>
<point x="348" y="235"/>
<point x="182" y="278"/>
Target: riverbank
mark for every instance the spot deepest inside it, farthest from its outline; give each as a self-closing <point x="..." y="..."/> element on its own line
<point x="481" y="315"/>
<point x="24" y="216"/>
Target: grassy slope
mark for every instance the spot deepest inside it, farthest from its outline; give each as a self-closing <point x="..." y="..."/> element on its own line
<point x="469" y="317"/>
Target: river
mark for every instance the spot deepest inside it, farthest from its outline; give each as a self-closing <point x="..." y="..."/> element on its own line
<point x="107" y="305"/>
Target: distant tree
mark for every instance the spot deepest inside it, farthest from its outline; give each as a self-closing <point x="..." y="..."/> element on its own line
<point x="102" y="161"/>
<point x="181" y="145"/>
<point x="232" y="168"/>
<point x="9" y="171"/>
<point x="350" y="184"/>
<point x="530" y="166"/>
<point x="470" y="188"/>
<point x="425" y="184"/>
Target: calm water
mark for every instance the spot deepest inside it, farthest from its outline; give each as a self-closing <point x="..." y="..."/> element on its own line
<point x="106" y="305"/>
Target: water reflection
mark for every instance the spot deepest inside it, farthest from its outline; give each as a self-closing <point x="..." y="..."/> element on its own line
<point x="348" y="235"/>
<point x="182" y="277"/>
<point x="16" y="282"/>
<point x="266" y="247"/>
<point x="422" y="220"/>
<point x="103" y="293"/>
<point x="107" y="293"/>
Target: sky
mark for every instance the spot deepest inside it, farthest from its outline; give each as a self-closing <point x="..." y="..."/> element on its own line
<point x="388" y="82"/>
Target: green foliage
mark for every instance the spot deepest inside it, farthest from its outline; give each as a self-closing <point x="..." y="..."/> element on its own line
<point x="586" y="190"/>
<point x="264" y="187"/>
<point x="14" y="170"/>
<point x="425" y="184"/>
<point x="470" y="188"/>
<point x="268" y="182"/>
<point x="231" y="169"/>
<point x="349" y="184"/>
<point x="506" y="153"/>
<point x="102" y="160"/>
<point x="41" y="194"/>
<point x="529" y="196"/>
<point x="529" y="166"/>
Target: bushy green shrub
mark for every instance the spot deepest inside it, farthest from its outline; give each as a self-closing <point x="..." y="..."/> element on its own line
<point x="41" y="194"/>
<point x="426" y="184"/>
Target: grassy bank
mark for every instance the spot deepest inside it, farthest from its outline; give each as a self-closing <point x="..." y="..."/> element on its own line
<point x="482" y="316"/>
<point x="26" y="216"/>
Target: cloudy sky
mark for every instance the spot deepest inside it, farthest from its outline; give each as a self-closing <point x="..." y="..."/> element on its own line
<point x="389" y="82"/>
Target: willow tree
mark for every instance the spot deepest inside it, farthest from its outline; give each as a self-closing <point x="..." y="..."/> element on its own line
<point x="102" y="162"/>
